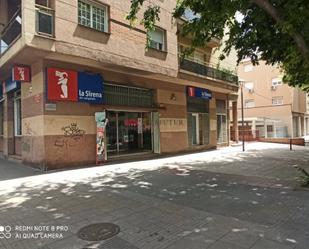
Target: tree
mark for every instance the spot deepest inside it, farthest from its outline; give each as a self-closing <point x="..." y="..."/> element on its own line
<point x="276" y="31"/>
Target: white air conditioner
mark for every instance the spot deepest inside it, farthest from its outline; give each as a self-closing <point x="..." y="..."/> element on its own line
<point x="273" y="88"/>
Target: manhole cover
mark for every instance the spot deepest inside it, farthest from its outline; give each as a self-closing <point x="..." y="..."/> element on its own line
<point x="98" y="232"/>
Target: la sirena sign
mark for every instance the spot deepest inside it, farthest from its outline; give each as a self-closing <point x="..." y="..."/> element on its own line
<point x="73" y="86"/>
<point x="199" y="92"/>
<point x="21" y="73"/>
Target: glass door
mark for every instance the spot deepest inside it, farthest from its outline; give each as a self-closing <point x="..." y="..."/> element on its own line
<point x="128" y="132"/>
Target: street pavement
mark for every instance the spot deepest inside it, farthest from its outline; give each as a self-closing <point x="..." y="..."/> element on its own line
<point x="223" y="199"/>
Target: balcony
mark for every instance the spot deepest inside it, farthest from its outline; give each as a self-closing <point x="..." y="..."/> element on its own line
<point x="208" y="71"/>
<point x="11" y="33"/>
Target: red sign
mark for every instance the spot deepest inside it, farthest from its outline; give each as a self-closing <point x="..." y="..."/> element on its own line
<point x="21" y="73"/>
<point x="62" y="85"/>
<point x="191" y="91"/>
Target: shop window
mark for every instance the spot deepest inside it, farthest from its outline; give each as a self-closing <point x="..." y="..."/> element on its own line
<point x="157" y="39"/>
<point x="1" y="117"/>
<point x="221" y="121"/>
<point x="221" y="128"/>
<point x="17" y="114"/>
<point x="93" y="15"/>
<point x="198" y="128"/>
<point x="277" y="100"/>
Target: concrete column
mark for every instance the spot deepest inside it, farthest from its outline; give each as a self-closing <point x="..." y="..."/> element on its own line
<point x="275" y="131"/>
<point x="307" y="126"/>
<point x="265" y="128"/>
<point x="253" y="128"/>
<point x="8" y="124"/>
<point x="235" y="121"/>
<point x="299" y="134"/>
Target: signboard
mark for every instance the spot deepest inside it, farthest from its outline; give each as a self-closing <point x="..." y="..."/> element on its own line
<point x="11" y="85"/>
<point x="21" y="73"/>
<point x="101" y="153"/>
<point x="199" y="93"/>
<point x="139" y="125"/>
<point x="61" y="85"/>
<point x="173" y="125"/>
<point x="90" y="88"/>
<point x="68" y="85"/>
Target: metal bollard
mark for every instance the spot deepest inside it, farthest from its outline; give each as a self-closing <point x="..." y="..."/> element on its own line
<point x="291" y="146"/>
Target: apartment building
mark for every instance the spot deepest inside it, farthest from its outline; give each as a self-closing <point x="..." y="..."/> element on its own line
<point x="79" y="86"/>
<point x="272" y="109"/>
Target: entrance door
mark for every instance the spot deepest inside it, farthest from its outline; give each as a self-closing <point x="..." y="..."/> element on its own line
<point x="195" y="129"/>
<point x="128" y="132"/>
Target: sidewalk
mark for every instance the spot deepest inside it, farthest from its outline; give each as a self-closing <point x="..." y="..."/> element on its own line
<point x="222" y="199"/>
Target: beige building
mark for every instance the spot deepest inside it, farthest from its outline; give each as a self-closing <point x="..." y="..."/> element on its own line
<point x="272" y="109"/>
<point x="64" y="62"/>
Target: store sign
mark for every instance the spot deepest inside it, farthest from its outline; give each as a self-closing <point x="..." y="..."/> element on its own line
<point x="173" y="125"/>
<point x="68" y="85"/>
<point x="199" y="93"/>
<point x="21" y="73"/>
<point x="11" y="85"/>
<point x="90" y="88"/>
<point x="61" y="85"/>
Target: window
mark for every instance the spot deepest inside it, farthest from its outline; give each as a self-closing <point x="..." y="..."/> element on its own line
<point x="276" y="82"/>
<point x="17" y="114"/>
<point x="249" y="103"/>
<point x="249" y="85"/>
<point x="93" y="16"/>
<point x="277" y="100"/>
<point x="1" y="118"/>
<point x="157" y="39"/>
<point x="248" y="68"/>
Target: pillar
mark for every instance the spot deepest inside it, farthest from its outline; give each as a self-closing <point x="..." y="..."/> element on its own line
<point x="275" y="130"/>
<point x="8" y="124"/>
<point x="235" y="121"/>
<point x="253" y="128"/>
<point x="299" y="133"/>
<point x="265" y="128"/>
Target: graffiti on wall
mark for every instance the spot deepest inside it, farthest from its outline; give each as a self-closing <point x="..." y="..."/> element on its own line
<point x="27" y="144"/>
<point x="72" y="134"/>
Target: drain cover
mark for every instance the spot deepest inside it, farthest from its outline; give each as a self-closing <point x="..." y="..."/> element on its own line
<point x="98" y="232"/>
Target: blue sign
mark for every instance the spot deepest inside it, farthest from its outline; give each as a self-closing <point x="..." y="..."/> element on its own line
<point x="199" y="93"/>
<point x="90" y="88"/>
<point x="11" y="85"/>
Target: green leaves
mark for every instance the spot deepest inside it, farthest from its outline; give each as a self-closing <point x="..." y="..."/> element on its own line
<point x="276" y="31"/>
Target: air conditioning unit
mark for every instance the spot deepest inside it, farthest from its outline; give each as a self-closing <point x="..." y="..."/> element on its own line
<point x="273" y="88"/>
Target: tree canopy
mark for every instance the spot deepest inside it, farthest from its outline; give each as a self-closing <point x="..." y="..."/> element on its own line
<point x="276" y="31"/>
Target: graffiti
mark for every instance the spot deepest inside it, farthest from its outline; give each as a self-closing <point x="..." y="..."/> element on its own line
<point x="72" y="134"/>
<point x="28" y="130"/>
<point x="26" y="147"/>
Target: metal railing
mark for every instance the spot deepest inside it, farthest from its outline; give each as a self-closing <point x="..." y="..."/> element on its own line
<point x="11" y="32"/>
<point x="207" y="70"/>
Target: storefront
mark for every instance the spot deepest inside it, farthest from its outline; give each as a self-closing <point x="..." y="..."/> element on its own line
<point x="221" y="121"/>
<point x="198" y="116"/>
<point x="129" y="128"/>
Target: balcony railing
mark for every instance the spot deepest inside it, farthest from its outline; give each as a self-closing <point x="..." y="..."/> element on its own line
<point x="11" y="32"/>
<point x="207" y="70"/>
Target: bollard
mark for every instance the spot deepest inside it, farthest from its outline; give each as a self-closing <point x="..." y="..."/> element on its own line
<point x="291" y="144"/>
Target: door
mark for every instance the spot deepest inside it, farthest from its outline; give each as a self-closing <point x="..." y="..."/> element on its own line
<point x="195" y="129"/>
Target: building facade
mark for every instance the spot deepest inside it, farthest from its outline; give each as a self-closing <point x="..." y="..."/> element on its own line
<point x="67" y="64"/>
<point x="272" y="109"/>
